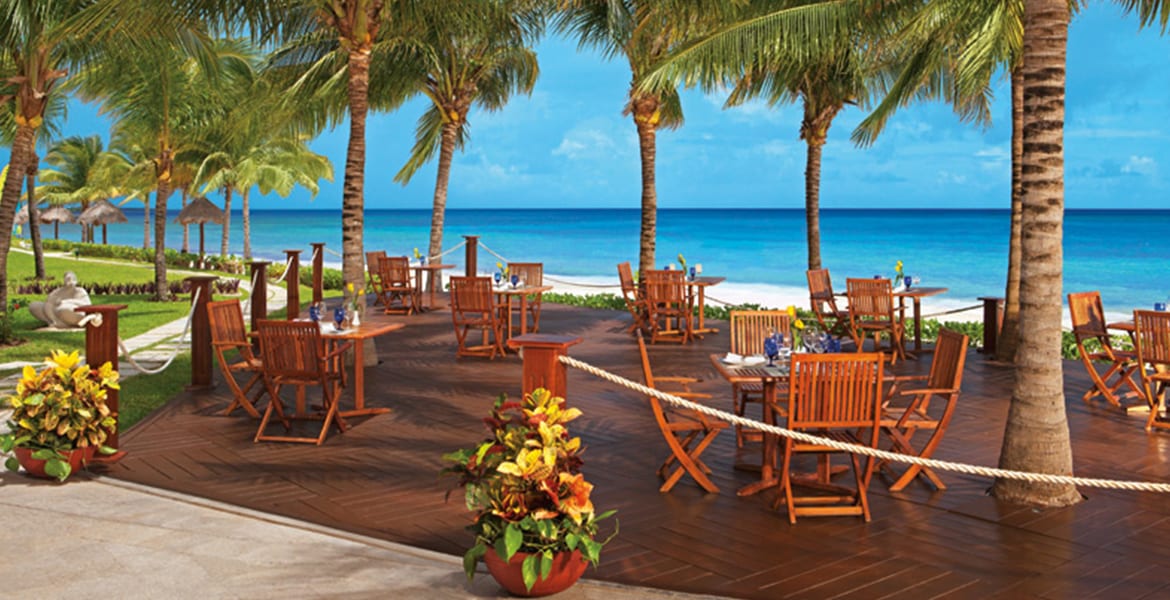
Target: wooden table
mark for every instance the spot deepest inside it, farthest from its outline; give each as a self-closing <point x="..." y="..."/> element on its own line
<point x="510" y="293"/>
<point x="433" y="269"/>
<point x="917" y="294"/>
<point x="771" y="377"/>
<point x="698" y="289"/>
<point x="367" y="330"/>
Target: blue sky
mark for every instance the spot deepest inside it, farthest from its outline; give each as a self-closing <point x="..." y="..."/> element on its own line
<point x="568" y="145"/>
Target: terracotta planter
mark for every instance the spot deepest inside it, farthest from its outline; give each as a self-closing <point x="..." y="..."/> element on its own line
<point x="36" y="468"/>
<point x="566" y="570"/>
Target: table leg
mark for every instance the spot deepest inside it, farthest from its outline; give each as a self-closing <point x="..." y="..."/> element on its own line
<point x="433" y="284"/>
<point x="768" y="478"/>
<point x="917" y="324"/>
<point x="359" y="386"/>
<point x="523" y="314"/>
<point x="418" y="286"/>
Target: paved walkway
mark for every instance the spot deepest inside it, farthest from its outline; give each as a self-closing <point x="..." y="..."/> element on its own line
<point x="120" y="540"/>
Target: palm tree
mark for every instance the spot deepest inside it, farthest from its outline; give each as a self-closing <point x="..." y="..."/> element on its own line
<point x="74" y="173"/>
<point x="643" y="32"/>
<point x="480" y="61"/>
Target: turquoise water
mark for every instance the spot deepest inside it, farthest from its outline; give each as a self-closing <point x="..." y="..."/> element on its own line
<point x="1121" y="253"/>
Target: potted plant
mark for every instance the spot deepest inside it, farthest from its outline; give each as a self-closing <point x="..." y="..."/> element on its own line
<point x="59" y="416"/>
<point x="534" y="524"/>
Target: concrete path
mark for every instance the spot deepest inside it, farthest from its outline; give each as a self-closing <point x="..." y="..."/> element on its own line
<point x="96" y="536"/>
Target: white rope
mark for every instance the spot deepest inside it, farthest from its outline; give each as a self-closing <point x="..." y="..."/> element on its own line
<point x="287" y="264"/>
<point x="447" y="251"/>
<point x="953" y="311"/>
<point x="492" y="252"/>
<point x="174" y="352"/>
<point x="333" y="252"/>
<point x="584" y="285"/>
<point x="1141" y="486"/>
<point x="251" y="292"/>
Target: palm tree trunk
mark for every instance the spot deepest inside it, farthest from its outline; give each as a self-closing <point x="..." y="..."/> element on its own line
<point x="186" y="227"/>
<point x="246" y="213"/>
<point x="1036" y="437"/>
<point x="146" y="222"/>
<point x="227" y="221"/>
<point x="446" y="151"/>
<point x="21" y="148"/>
<point x="34" y="219"/>
<point x="352" y="200"/>
<point x="812" y="201"/>
<point x="162" y="194"/>
<point x="645" y="111"/>
<point x="1009" y="334"/>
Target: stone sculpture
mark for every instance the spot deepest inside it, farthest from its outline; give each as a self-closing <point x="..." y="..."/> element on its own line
<point x="57" y="309"/>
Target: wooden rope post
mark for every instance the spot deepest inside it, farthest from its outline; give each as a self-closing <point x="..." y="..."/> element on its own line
<point x="471" y="252"/>
<point x="992" y="321"/>
<point x="259" y="294"/>
<point x="318" y="270"/>
<point x="101" y="346"/>
<point x="292" y="283"/>
<point x="200" y="331"/>
<point x="542" y="367"/>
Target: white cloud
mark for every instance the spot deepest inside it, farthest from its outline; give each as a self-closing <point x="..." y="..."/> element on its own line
<point x="994" y="158"/>
<point x="1140" y="165"/>
<point x="584" y="143"/>
<point x="948" y="178"/>
<point x="774" y="148"/>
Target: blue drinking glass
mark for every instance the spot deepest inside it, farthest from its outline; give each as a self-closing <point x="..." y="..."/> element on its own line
<point x="314" y="312"/>
<point x="515" y="280"/>
<point x="771" y="349"/>
<point x="339" y="316"/>
<point x="1160" y="306"/>
<point x="498" y="277"/>
<point x="692" y="273"/>
<point x="908" y="280"/>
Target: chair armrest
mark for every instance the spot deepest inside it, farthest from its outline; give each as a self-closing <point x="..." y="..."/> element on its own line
<point x="689" y="395"/>
<point x="921" y="391"/>
<point x="678" y="379"/>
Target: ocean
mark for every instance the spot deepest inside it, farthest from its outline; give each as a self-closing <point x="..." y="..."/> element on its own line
<point x="762" y="252"/>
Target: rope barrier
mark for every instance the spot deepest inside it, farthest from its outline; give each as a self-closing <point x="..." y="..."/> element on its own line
<point x="447" y="251"/>
<point x="251" y="292"/>
<point x="287" y="265"/>
<point x="991" y="472"/>
<point x="333" y="252"/>
<point x="605" y="286"/>
<point x="952" y="311"/>
<point x="95" y="320"/>
<point x="493" y="252"/>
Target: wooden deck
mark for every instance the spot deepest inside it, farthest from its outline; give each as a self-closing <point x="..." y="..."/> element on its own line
<point x="380" y="479"/>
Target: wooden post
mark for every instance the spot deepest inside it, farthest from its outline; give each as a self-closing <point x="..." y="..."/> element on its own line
<point x="542" y="369"/>
<point x="101" y="346"/>
<point x="471" y="253"/>
<point x="318" y="270"/>
<point x="292" y="283"/>
<point x="992" y="321"/>
<point x="200" y="331"/>
<point x="259" y="292"/>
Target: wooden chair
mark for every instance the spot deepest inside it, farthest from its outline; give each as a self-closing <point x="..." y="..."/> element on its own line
<point x="473" y="306"/>
<point x="837" y="396"/>
<point x="1088" y="324"/>
<point x="748" y="330"/>
<point x="1152" y="340"/>
<point x="824" y="303"/>
<point x="531" y="274"/>
<point x="902" y="422"/>
<point x="373" y="264"/>
<point x="669" y="307"/>
<point x="397" y="284"/>
<point x="228" y="333"/>
<point x="635" y="300"/>
<point x="871" y="311"/>
<point x="687" y="432"/>
<point x="294" y="354"/>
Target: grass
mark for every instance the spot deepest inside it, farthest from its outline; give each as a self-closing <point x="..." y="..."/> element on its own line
<point x="142" y="394"/>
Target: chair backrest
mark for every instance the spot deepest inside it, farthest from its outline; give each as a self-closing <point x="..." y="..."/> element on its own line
<point x="950" y="356"/>
<point x="835" y="390"/>
<point x="227" y="325"/>
<point x="292" y="349"/>
<point x="820" y="292"/>
<point x="530" y="273"/>
<point x="870" y="298"/>
<point x="471" y="295"/>
<point x="750" y="327"/>
<point x="373" y="261"/>
<point x="1087" y="316"/>
<point x="1152" y="336"/>
<point x="647" y="372"/>
<point x="395" y="271"/>
<point x="665" y="289"/>
<point x="626" y="275"/>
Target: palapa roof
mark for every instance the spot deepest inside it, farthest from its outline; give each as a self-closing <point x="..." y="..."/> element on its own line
<point x="201" y="210"/>
<point x="57" y="213"/>
<point x="101" y="212"/>
<point x="21" y="215"/>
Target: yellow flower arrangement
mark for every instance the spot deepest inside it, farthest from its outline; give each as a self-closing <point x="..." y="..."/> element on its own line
<point x="525" y="488"/>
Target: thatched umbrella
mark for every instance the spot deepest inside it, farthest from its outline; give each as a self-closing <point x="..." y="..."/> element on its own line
<point x="200" y="211"/>
<point x="21" y="215"/>
<point x="57" y="215"/>
<point x="102" y="213"/>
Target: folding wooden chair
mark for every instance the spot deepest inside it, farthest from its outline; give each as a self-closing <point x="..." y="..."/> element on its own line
<point x="1088" y="325"/>
<point x="294" y="354"/>
<point x="748" y="330"/>
<point x="397" y="284"/>
<point x="228" y="333"/>
<point x="836" y="396"/>
<point x="824" y="303"/>
<point x="687" y="432"/>
<point x="1152" y="340"/>
<point x="532" y="274"/>
<point x="669" y="306"/>
<point x="373" y="264"/>
<point x="902" y="422"/>
<point x="871" y="311"/>
<point x="473" y="306"/>
<point x="635" y="300"/>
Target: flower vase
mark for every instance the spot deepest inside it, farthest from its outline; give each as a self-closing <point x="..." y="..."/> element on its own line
<point x="357" y="316"/>
<point x="567" y="568"/>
